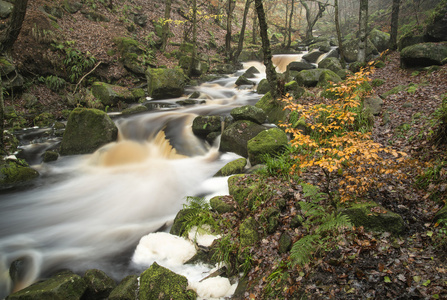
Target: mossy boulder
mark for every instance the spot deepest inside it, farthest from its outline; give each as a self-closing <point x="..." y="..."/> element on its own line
<point x="6" y="66"/>
<point x="86" y="131"/>
<point x="132" y="54"/>
<point x="270" y="219"/>
<point x="251" y="72"/>
<point x="5" y="9"/>
<point x="242" y="80"/>
<point x="327" y="77"/>
<point x="351" y="48"/>
<point x="66" y="285"/>
<point x="313" y="56"/>
<point x="374" y="217"/>
<point x="236" y="136"/>
<point x="244" y="190"/>
<point x="268" y="142"/>
<point x="178" y="226"/>
<point x="44" y="120"/>
<point x="423" y="55"/>
<point x="285" y="243"/>
<point x="248" y="232"/>
<point x="99" y="285"/>
<point x="111" y="95"/>
<point x="234" y="167"/>
<point x="273" y="108"/>
<point x="221" y="206"/>
<point x="263" y="87"/>
<point x="300" y="66"/>
<point x="333" y="64"/>
<point x="72" y="6"/>
<point x="160" y="283"/>
<point x="436" y="29"/>
<point x="379" y="39"/>
<point x="373" y="105"/>
<point x="50" y="156"/>
<point x="13" y="172"/>
<point x="202" y="126"/>
<point x="198" y="68"/>
<point x="320" y="77"/>
<point x="136" y="109"/>
<point x="126" y="289"/>
<point x="250" y="113"/>
<point x="165" y="83"/>
<point x="294" y="89"/>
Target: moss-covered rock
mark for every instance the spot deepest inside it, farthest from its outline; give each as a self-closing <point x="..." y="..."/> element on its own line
<point x="436" y="29"/>
<point x="86" y="131"/>
<point x="72" y="6"/>
<point x="126" y="289"/>
<point x="273" y="108"/>
<point x="333" y="64"/>
<point x="99" y="285"/>
<point x="250" y="113"/>
<point x="379" y="39"/>
<point x="263" y="87"/>
<point x="267" y="142"/>
<point x="160" y="283"/>
<point x="351" y="48"/>
<point x="373" y="105"/>
<point x="285" y="243"/>
<point x="5" y="9"/>
<point x="66" y="285"/>
<point x="13" y="172"/>
<point x="245" y="191"/>
<point x="270" y="219"/>
<point x="198" y="68"/>
<point x="178" y="227"/>
<point x="233" y="167"/>
<point x="6" y="66"/>
<point x="293" y="89"/>
<point x="374" y="217"/>
<point x="242" y="80"/>
<point x="313" y="56"/>
<point x="202" y="126"/>
<point x="328" y="77"/>
<point x="135" y="109"/>
<point x="165" y="83"/>
<point x="111" y="95"/>
<point x="309" y="78"/>
<point x="49" y="156"/>
<point x="248" y="232"/>
<point x="44" y="120"/>
<point x="236" y="136"/>
<point x="221" y="206"/>
<point x="423" y="55"/>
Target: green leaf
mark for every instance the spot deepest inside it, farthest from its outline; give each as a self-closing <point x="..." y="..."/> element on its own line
<point x="427" y="283"/>
<point x="430" y="233"/>
<point x="387" y="279"/>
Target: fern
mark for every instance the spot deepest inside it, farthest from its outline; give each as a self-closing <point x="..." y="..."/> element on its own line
<point x="323" y="227"/>
<point x="198" y="214"/>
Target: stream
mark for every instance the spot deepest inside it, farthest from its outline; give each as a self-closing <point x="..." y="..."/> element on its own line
<point x="90" y="211"/>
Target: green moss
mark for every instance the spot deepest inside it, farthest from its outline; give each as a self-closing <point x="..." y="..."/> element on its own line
<point x="248" y="232"/>
<point x="220" y="206"/>
<point x="160" y="283"/>
<point x="44" y="120"/>
<point x="16" y="171"/>
<point x="273" y="108"/>
<point x="233" y="167"/>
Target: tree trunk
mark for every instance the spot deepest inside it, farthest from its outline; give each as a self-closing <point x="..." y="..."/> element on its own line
<point x="194" y="38"/>
<point x="312" y="21"/>
<point x="230" y="7"/>
<point x="242" y="34"/>
<point x="337" y="27"/>
<point x="255" y="26"/>
<point x="11" y="32"/>
<point x="286" y="26"/>
<point x="289" y="41"/>
<point x="269" y="68"/>
<point x="363" y="31"/>
<point x="394" y="24"/>
<point x="165" y="31"/>
<point x="2" y="118"/>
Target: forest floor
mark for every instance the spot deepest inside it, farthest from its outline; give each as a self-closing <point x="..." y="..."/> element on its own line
<point x="367" y="265"/>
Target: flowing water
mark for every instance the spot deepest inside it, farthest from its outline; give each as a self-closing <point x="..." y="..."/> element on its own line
<point x="90" y="211"/>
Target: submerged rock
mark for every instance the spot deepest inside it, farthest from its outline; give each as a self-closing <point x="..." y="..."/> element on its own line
<point x="86" y="131"/>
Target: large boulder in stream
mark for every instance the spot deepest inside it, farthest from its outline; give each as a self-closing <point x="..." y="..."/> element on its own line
<point x="65" y="285"/>
<point x="236" y="136"/>
<point x="423" y="55"/>
<point x="160" y="283"/>
<point x="86" y="131"/>
<point x="165" y="83"/>
<point x="250" y="113"/>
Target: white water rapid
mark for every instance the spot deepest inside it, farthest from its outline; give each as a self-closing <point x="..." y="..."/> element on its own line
<point x="90" y="211"/>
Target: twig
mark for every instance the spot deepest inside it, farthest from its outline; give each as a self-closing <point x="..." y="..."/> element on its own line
<point x="85" y="76"/>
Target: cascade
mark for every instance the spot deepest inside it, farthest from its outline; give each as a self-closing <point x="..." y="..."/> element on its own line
<point x="90" y="211"/>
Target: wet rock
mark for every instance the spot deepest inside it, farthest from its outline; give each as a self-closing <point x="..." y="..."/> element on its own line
<point x="99" y="285"/>
<point x="251" y="72"/>
<point x="250" y="113"/>
<point x="234" y="167"/>
<point x="111" y="95"/>
<point x="165" y="83"/>
<point x="313" y="56"/>
<point x="423" y="55"/>
<point x="224" y="69"/>
<point x="268" y="142"/>
<point x="236" y="136"/>
<point x="126" y="289"/>
<point x="202" y="126"/>
<point x="178" y="227"/>
<point x="300" y="66"/>
<point x="242" y="80"/>
<point x="198" y="68"/>
<point x="374" y="217"/>
<point x="66" y="285"/>
<point x="86" y="131"/>
<point x="160" y="283"/>
<point x="135" y="109"/>
<point x="50" y="156"/>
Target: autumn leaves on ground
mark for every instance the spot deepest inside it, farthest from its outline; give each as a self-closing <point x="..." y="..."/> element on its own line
<point x="341" y="154"/>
